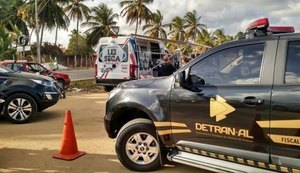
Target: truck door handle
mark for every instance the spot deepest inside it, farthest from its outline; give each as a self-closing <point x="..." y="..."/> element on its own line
<point x="252" y="101"/>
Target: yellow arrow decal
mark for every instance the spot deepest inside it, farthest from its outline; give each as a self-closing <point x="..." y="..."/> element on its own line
<point x="219" y="108"/>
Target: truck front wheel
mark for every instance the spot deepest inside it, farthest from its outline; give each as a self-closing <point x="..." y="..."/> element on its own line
<point x="137" y="146"/>
<point x="108" y="88"/>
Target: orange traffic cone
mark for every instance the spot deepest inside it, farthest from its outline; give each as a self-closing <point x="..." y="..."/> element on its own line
<point x="69" y="150"/>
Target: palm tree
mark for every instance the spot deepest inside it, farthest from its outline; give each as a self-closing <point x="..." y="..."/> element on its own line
<point x="192" y="25"/>
<point x="219" y="36"/>
<point x="239" y="35"/>
<point x="6" y="40"/>
<point x="101" y="23"/>
<point x="9" y="16"/>
<point x="177" y="29"/>
<point x="205" y="38"/>
<point x="50" y="15"/>
<point x="77" y="11"/>
<point x="61" y="3"/>
<point x="155" y="28"/>
<point x="136" y="11"/>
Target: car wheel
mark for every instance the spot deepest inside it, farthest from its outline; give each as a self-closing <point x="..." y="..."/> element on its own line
<point x="108" y="88"/>
<point x="20" y="108"/>
<point x="61" y="83"/>
<point x="137" y="146"/>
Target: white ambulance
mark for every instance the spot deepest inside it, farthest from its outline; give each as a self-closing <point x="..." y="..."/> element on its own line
<point x="126" y="58"/>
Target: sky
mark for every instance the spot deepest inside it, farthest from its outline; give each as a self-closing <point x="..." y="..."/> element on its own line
<point x="231" y="15"/>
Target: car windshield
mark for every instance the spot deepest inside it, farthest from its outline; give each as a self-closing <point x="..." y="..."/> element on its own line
<point x="36" y="67"/>
<point x="5" y="70"/>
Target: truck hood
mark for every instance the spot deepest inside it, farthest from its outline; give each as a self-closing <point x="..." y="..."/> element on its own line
<point x="158" y="82"/>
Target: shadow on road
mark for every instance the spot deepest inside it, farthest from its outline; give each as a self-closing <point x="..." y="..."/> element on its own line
<point x="41" y="116"/>
<point x="35" y="161"/>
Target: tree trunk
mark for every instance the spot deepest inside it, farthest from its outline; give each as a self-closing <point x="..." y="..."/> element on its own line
<point x="56" y="31"/>
<point x="136" y="27"/>
<point x="42" y="34"/>
<point x="80" y="60"/>
<point x="75" y="61"/>
<point x="86" y="61"/>
<point x="77" y="33"/>
<point x="68" y="62"/>
<point x="30" y="35"/>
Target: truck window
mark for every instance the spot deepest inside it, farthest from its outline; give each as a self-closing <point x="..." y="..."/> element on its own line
<point x="292" y="69"/>
<point x="238" y="65"/>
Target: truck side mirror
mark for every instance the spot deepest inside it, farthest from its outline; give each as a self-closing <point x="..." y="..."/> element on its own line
<point x="180" y="79"/>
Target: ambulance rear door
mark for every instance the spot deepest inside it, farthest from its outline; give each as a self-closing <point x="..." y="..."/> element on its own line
<point x="113" y="62"/>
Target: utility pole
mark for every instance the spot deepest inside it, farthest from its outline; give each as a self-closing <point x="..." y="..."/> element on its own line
<point x="37" y="30"/>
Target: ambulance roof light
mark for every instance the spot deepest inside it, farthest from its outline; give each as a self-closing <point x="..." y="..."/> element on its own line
<point x="261" y="27"/>
<point x="281" y="29"/>
<point x="260" y="23"/>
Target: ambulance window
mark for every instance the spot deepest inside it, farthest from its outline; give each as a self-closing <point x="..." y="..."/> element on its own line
<point x="292" y="70"/>
<point x="238" y="65"/>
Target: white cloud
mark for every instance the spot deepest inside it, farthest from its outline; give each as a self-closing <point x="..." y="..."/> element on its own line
<point x="231" y="15"/>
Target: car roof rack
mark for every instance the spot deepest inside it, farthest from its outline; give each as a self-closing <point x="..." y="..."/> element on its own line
<point x="261" y="27"/>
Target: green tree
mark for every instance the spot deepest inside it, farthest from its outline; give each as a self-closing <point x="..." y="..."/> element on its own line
<point x="101" y="23"/>
<point x="192" y="25"/>
<point x="50" y="15"/>
<point x="6" y="51"/>
<point x="155" y="28"/>
<point x="78" y="49"/>
<point x="177" y="31"/>
<point x="219" y="37"/>
<point x="205" y="38"/>
<point x="239" y="35"/>
<point x="9" y="16"/>
<point x="136" y="11"/>
<point x="77" y="10"/>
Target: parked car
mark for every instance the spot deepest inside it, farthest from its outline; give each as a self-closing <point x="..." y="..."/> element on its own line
<point x="235" y="108"/>
<point x="23" y="94"/>
<point x="34" y="67"/>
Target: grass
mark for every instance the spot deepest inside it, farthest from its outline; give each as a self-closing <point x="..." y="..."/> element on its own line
<point x="84" y="85"/>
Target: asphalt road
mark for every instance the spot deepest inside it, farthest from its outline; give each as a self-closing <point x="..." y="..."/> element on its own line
<point x="28" y="148"/>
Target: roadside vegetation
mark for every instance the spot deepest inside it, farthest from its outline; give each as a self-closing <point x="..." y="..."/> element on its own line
<point x="17" y="18"/>
<point x="84" y="85"/>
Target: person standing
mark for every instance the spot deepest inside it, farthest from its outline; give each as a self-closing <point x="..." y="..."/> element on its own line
<point x="184" y="61"/>
<point x="167" y="68"/>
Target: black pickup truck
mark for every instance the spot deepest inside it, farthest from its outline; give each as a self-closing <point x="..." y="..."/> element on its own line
<point x="235" y="108"/>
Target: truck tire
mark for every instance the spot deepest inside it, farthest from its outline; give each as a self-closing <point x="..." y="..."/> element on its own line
<point x="137" y="146"/>
<point x="108" y="88"/>
<point x="20" y="108"/>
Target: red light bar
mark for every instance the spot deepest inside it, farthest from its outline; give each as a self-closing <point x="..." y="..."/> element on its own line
<point x="260" y="23"/>
<point x="281" y="29"/>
